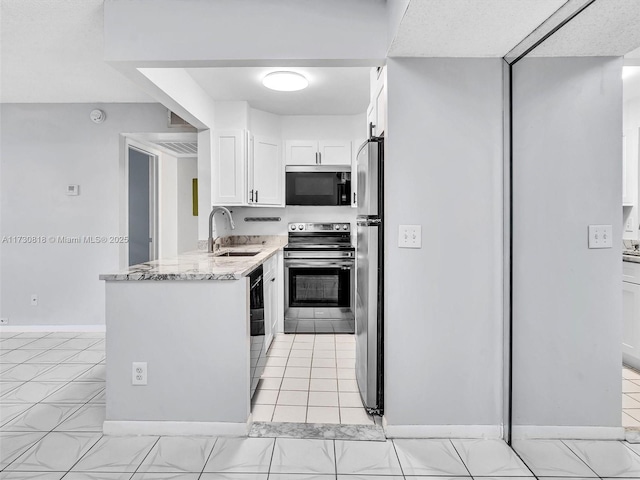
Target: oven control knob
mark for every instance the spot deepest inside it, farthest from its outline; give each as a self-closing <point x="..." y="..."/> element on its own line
<point x="293" y="227"/>
<point x="336" y="227"/>
<point x="345" y="227"/>
<point x="301" y="227"/>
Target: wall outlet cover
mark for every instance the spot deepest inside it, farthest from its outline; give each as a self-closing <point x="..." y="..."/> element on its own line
<point x="600" y="236"/>
<point x="410" y="236"/>
<point x="139" y="373"/>
<point x="34" y="300"/>
<point x="73" y="190"/>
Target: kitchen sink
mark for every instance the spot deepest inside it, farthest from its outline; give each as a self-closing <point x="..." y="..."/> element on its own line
<point x="237" y="254"/>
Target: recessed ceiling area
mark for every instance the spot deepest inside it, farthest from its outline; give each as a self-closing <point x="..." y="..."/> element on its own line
<point x="331" y="90"/>
<point x="468" y="28"/>
<point x="630" y="82"/>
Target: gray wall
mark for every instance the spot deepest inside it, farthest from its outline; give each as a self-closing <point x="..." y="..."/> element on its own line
<point x="44" y="148"/>
<point x="567" y="122"/>
<point x="444" y="301"/>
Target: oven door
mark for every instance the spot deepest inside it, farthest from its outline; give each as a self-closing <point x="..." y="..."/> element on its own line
<point x="318" y="283"/>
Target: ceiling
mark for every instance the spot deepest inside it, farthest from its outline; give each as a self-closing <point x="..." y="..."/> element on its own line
<point x="52" y="50"/>
<point x="331" y="91"/>
<point x="604" y="28"/>
<point x="468" y="28"/>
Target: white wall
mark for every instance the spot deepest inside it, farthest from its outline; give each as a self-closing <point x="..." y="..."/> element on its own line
<point x="567" y="303"/>
<point x="187" y="223"/>
<point x="286" y="30"/>
<point x="443" y="312"/>
<point x="44" y="148"/>
<point x="167" y="206"/>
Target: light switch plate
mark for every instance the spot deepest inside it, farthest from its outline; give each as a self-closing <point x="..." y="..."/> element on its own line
<point x="410" y="236"/>
<point x="73" y="190"/>
<point x="600" y="236"/>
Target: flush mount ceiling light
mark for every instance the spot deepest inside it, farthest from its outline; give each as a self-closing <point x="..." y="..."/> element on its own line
<point x="285" y="81"/>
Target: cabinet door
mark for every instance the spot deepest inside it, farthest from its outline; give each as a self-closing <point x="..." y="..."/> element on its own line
<point x="334" y="152"/>
<point x="301" y="152"/>
<point x="268" y="312"/>
<point x="380" y="101"/>
<point x="630" y="319"/>
<point x="228" y="167"/>
<point x="267" y="172"/>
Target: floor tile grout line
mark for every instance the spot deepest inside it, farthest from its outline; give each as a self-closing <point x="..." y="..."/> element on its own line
<point x="273" y="449"/>
<point x="461" y="459"/>
<point x="86" y="453"/>
<point x="145" y="457"/>
<point x="626" y="444"/>
<point x="395" y="450"/>
<point x="579" y="457"/>
<point x="517" y="454"/>
<point x="215" y="442"/>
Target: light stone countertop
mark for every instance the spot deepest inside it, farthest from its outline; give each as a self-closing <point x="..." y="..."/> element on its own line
<point x="630" y="258"/>
<point x="201" y="265"/>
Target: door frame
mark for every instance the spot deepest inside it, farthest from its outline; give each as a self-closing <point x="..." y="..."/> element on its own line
<point x="127" y="143"/>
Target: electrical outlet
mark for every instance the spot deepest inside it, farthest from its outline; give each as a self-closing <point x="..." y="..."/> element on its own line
<point x="34" y="300"/>
<point x="4" y="321"/>
<point x="139" y="373"/>
<point x="410" y="236"/>
<point x="600" y="236"/>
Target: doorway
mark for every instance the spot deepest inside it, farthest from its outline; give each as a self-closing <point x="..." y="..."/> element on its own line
<point x="142" y="183"/>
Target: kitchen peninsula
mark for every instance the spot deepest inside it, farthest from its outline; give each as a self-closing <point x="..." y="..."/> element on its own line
<point x="187" y="318"/>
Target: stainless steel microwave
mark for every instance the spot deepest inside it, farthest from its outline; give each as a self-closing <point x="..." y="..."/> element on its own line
<point x="318" y="185"/>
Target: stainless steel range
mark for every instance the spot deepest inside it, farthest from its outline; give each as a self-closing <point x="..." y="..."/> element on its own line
<point x="319" y="264"/>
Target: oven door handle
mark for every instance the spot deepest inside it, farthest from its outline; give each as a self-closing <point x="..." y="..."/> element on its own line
<point x="318" y="263"/>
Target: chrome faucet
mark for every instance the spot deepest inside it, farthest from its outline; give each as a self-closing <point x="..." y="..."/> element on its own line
<point x="212" y="241"/>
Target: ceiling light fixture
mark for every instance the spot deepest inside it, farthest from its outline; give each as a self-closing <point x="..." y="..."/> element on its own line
<point x="285" y="81"/>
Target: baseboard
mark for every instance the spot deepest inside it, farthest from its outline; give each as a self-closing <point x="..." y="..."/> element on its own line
<point x="522" y="432"/>
<point x="217" y="429"/>
<point x="442" y="431"/>
<point x="53" y="328"/>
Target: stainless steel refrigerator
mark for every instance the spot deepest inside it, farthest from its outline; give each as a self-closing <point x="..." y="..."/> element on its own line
<point x="369" y="285"/>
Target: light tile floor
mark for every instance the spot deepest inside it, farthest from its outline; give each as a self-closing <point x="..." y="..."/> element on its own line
<point x="310" y="379"/>
<point x="630" y="398"/>
<point x="52" y="408"/>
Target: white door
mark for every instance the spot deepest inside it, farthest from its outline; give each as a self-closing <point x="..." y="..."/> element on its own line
<point x="228" y="167"/>
<point x="302" y="152"/>
<point x="334" y="152"/>
<point x="267" y="172"/>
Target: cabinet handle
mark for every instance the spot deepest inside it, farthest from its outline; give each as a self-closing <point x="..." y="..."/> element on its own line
<point x="256" y="196"/>
<point x="320" y="157"/>
<point x="251" y="199"/>
<point x="316" y="158"/>
<point x="273" y="279"/>
<point x="354" y="197"/>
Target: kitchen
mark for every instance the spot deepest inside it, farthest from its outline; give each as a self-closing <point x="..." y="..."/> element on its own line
<point x="457" y="183"/>
<point x="308" y="289"/>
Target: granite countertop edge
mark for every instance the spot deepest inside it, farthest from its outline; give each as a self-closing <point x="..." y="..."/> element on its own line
<point x="199" y="265"/>
<point x="630" y="258"/>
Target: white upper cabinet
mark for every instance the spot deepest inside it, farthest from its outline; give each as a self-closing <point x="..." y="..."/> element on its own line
<point x="334" y="152"/>
<point x="302" y="152"/>
<point x="266" y="172"/>
<point x="228" y="179"/>
<point x="318" y="152"/>
<point x="377" y="113"/>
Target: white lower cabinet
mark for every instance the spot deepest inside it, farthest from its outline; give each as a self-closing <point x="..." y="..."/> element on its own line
<point x="270" y="300"/>
<point x="631" y="314"/>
